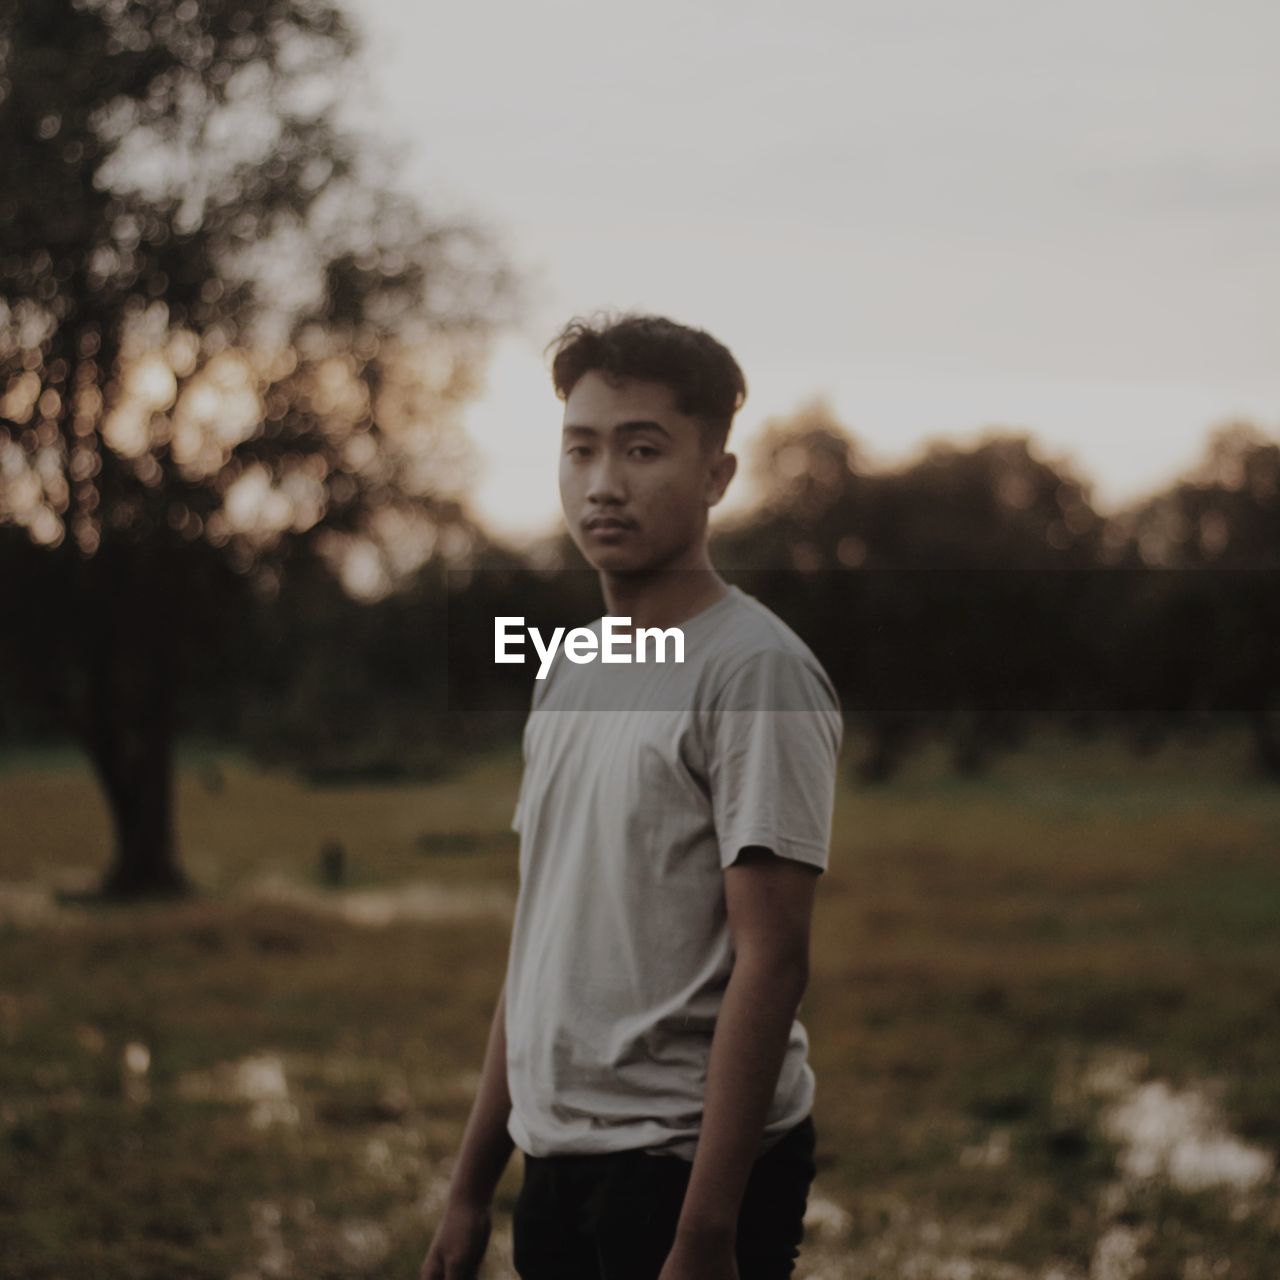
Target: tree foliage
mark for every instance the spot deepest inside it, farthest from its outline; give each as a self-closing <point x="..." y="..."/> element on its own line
<point x="228" y="345"/>
<point x="976" y="588"/>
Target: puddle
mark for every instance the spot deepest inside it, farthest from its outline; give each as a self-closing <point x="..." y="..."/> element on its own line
<point x="1178" y="1134"/>
<point x="420" y="901"/>
<point x="908" y="1246"/>
<point x="28" y="904"/>
<point x="990" y="1154"/>
<point x="258" y="1080"/>
<point x="274" y="1257"/>
<point x="135" y="1068"/>
<point x="825" y="1218"/>
<point x="363" y="1243"/>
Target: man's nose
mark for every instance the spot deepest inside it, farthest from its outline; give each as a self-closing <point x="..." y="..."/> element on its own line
<point x="606" y="483"/>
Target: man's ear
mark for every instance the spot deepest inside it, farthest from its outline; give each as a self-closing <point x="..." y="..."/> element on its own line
<point x="721" y="472"/>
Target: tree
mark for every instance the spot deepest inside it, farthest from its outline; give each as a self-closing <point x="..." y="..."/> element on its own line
<point x="228" y="346"/>
<point x="1207" y="638"/>
<point x="912" y="582"/>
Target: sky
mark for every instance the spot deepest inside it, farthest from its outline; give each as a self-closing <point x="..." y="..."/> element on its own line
<point x="942" y="218"/>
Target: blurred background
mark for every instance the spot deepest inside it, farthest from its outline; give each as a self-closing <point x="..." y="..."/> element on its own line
<point x="278" y="440"/>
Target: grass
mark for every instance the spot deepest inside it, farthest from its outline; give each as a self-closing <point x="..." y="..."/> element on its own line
<point x="976" y="943"/>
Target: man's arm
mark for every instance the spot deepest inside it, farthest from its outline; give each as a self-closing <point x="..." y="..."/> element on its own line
<point x="770" y="907"/>
<point x="463" y="1233"/>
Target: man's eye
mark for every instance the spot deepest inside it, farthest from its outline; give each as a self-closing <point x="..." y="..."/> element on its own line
<point x="645" y="450"/>
<point x="574" y="450"/>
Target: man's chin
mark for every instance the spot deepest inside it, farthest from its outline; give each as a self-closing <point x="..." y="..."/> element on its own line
<point x="610" y="561"/>
<point x="619" y="560"/>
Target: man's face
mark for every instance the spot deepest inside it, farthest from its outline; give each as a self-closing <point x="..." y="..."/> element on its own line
<point x="636" y="479"/>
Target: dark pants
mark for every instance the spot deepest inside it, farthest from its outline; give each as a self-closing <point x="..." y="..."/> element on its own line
<point x="613" y="1217"/>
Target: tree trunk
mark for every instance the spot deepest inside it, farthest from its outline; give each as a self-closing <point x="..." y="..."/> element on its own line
<point x="888" y="739"/>
<point x="129" y="722"/>
<point x="140" y="796"/>
<point x="1264" y="725"/>
<point x="970" y="743"/>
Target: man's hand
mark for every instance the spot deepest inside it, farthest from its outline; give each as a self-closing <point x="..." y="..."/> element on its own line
<point x="463" y="1233"/>
<point x="698" y="1257"/>
<point x="459" y="1243"/>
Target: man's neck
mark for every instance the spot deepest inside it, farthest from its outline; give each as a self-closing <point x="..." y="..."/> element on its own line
<point x="666" y="597"/>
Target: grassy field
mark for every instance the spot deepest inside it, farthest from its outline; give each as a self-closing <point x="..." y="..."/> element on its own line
<point x="1044" y="1015"/>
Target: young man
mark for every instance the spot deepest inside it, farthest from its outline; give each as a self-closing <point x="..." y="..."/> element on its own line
<point x="674" y="818"/>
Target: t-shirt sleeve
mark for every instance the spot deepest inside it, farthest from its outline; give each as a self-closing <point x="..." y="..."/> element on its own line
<point x="774" y="729"/>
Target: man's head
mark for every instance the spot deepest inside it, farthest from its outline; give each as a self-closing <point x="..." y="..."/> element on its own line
<point x="648" y="407"/>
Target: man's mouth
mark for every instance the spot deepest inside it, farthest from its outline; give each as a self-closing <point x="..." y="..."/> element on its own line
<point x="607" y="524"/>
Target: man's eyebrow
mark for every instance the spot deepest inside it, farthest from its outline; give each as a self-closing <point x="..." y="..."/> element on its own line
<point x="638" y="424"/>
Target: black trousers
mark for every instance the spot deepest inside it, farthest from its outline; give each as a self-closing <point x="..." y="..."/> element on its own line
<point x="613" y="1217"/>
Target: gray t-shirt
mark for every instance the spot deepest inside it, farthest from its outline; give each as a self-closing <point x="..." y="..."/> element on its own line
<point x="641" y="784"/>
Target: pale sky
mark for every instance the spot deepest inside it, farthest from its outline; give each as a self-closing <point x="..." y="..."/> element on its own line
<point x="940" y="216"/>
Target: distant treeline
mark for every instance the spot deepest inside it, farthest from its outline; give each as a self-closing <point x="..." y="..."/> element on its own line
<point x="977" y="593"/>
<point x="973" y="594"/>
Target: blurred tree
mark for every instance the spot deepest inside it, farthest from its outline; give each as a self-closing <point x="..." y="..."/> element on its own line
<point x="228" y="347"/>
<point x="1224" y="514"/>
<point x="940" y="626"/>
<point x="1201" y="644"/>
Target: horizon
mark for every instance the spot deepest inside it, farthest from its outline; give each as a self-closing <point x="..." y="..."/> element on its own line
<point x="1051" y="222"/>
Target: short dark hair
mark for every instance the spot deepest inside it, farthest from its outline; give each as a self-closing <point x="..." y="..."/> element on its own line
<point x="706" y="379"/>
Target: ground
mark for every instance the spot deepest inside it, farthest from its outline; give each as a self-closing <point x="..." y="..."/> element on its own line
<point x="1043" y="1015"/>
